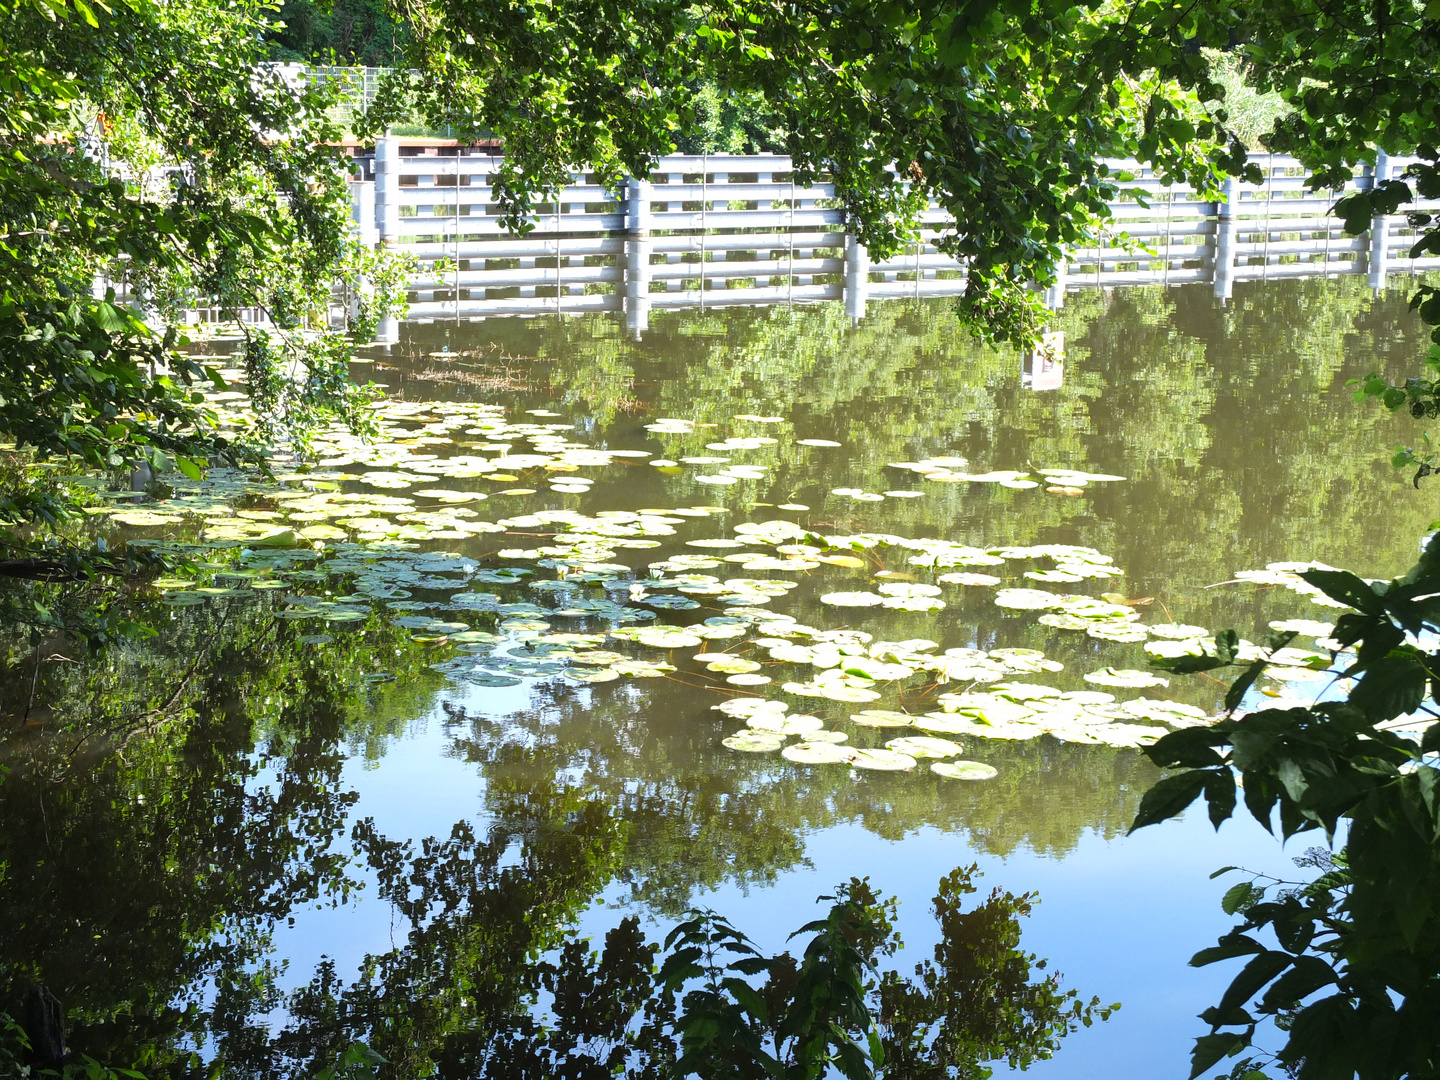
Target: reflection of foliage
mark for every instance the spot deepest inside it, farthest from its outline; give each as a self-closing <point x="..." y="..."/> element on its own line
<point x="698" y="814"/>
<point x="717" y="1006"/>
<point x="976" y="1002"/>
<point x="1356" y="976"/>
<point x="479" y="911"/>
<point x="170" y="842"/>
<point x="177" y="858"/>
<point x="1160" y="386"/>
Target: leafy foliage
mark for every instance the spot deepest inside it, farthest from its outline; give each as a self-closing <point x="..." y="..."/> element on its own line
<point x="1356" y="975"/>
<point x="344" y="31"/>
<point x="155" y="146"/>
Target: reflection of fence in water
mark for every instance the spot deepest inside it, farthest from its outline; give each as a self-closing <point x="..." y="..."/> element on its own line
<point x="729" y="229"/>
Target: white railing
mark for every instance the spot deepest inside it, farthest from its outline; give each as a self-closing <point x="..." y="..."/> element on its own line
<point x="726" y="229"/>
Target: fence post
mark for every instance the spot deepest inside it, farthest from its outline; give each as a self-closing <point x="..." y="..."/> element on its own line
<point x="1055" y="294"/>
<point x="387" y="219"/>
<point x="362" y="212"/>
<point x="387" y="189"/>
<point x="637" y="256"/>
<point x="857" y="278"/>
<point x="1227" y="226"/>
<point x="1378" y="264"/>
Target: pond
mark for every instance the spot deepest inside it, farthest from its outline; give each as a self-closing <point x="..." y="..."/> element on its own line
<point x="623" y="627"/>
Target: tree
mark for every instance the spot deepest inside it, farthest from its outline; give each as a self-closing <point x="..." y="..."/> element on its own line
<point x="346" y="32"/>
<point x="1355" y="981"/>
<point x="152" y="143"/>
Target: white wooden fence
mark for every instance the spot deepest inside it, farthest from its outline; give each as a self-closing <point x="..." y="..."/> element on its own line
<point x="725" y="229"/>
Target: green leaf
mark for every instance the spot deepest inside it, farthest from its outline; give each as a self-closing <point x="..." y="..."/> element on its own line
<point x="1211" y="1048"/>
<point x="1309" y="974"/>
<point x="1241" y="685"/>
<point x="1257" y="973"/>
<point x="107" y="318"/>
<point x="1345" y="587"/>
<point x="188" y="467"/>
<point x="1228" y="948"/>
<point x="1169" y="797"/>
<point x="1392" y="686"/>
<point x="1237" y="897"/>
<point x="1220" y="795"/>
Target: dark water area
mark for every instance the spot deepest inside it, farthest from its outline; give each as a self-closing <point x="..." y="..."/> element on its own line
<point x="236" y="842"/>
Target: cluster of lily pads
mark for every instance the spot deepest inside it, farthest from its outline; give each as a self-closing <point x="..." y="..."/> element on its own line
<point x="336" y="542"/>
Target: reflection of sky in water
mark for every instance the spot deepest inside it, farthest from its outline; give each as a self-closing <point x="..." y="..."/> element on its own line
<point x="1118" y="917"/>
<point x="1160" y="387"/>
<point x="1222" y="476"/>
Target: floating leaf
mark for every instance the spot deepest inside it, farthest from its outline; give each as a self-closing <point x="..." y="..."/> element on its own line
<point x="881" y="760"/>
<point x="1163" y="710"/>
<point x="779" y="724"/>
<point x="1127" y="677"/>
<point x="1027" y="599"/>
<point x="924" y="746"/>
<point x="852" y="599"/>
<point x="967" y="579"/>
<point x="753" y="742"/>
<point x="964" y="770"/>
<point x="882" y="718"/>
<point x="817" y="753"/>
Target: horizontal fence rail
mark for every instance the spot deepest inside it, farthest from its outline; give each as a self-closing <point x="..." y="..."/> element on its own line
<point x="728" y="229"/>
<point x="722" y="229"/>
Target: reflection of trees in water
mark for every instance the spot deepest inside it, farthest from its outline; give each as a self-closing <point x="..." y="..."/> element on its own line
<point x="146" y="871"/>
<point x="145" y="891"/>
<point x="697" y="815"/>
<point x="1234" y="424"/>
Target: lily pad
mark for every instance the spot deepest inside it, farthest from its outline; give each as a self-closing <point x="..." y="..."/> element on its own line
<point x="946" y="724"/>
<point x="780" y="724"/>
<point x="881" y="760"/>
<point x="964" y="770"/>
<point x="753" y="742"/>
<point x="1126" y="677"/>
<point x="1177" y="631"/>
<point x="925" y="746"/>
<point x="1027" y="599"/>
<point x="852" y="599"/>
<point x="882" y="718"/>
<point x="968" y="579"/>
<point x="592" y="675"/>
<point x="817" y="753"/>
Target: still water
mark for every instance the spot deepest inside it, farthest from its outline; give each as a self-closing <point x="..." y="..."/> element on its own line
<point x="174" y="891"/>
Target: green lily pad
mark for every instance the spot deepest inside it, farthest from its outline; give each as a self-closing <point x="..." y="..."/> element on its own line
<point x="852" y="599"/>
<point x="780" y="724"/>
<point x="881" y="760"/>
<point x="1126" y="677"/>
<point x="882" y="718"/>
<point x="1027" y="599"/>
<point x="924" y="746"/>
<point x="753" y="742"/>
<point x="1177" y="631"/>
<point x="592" y="675"/>
<point x="964" y="770"/>
<point x="817" y="753"/>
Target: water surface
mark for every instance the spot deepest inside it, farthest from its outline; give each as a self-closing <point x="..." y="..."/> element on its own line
<point x="213" y="852"/>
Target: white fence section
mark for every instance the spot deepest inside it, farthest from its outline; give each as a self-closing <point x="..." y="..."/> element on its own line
<point x="722" y="229"/>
